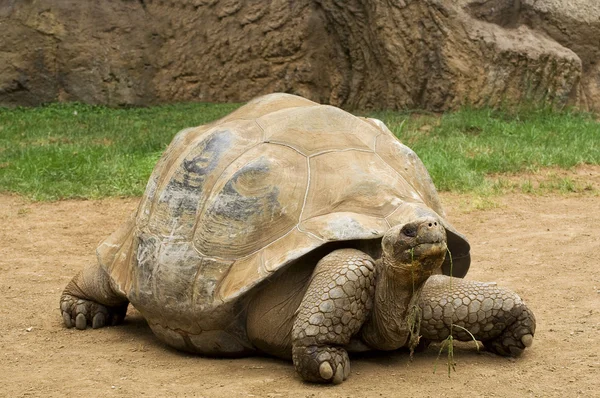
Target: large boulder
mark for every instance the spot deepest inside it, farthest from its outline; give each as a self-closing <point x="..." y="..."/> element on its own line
<point x="431" y="54"/>
<point x="98" y="52"/>
<point x="574" y="24"/>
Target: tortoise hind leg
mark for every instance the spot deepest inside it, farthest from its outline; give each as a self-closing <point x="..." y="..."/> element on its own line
<point x="495" y="316"/>
<point x="334" y="307"/>
<point x="90" y="299"/>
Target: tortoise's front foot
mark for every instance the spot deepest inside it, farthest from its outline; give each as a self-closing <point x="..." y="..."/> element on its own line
<point x="321" y="364"/>
<point x="495" y="316"/>
<point x="516" y="337"/>
<point x="81" y="313"/>
<point x="333" y="310"/>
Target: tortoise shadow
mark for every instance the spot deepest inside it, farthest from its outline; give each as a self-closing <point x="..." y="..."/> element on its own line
<point x="136" y="328"/>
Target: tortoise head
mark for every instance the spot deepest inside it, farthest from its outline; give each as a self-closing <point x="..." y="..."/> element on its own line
<point x="418" y="246"/>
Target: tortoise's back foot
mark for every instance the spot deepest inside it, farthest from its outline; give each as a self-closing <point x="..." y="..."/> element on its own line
<point x="82" y="313"/>
<point x="90" y="299"/>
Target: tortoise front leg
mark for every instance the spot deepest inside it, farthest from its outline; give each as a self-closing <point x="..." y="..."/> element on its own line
<point x="90" y="299"/>
<point x="495" y="316"/>
<point x="333" y="309"/>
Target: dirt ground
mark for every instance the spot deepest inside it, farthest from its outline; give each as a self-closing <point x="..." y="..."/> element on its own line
<point x="544" y="247"/>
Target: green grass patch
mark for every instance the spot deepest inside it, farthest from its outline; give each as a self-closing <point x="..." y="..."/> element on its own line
<point x="81" y="151"/>
<point x="465" y="150"/>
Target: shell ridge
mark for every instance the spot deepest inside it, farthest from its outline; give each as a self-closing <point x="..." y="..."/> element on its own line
<point x="269" y="142"/>
<point x="375" y="141"/>
<point x="379" y="132"/>
<point x="265" y="138"/>
<point x="347" y="225"/>
<point x="371" y="126"/>
<point x="262" y="128"/>
<point x="308" y="182"/>
<point x="310" y="234"/>
<point x="387" y="222"/>
<point x="262" y="249"/>
<point x="388" y="132"/>
<point x="341" y="150"/>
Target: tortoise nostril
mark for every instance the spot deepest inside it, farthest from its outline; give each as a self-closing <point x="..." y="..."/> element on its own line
<point x="430" y="225"/>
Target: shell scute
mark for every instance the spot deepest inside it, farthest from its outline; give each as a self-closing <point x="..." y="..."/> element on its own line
<point x="354" y="181"/>
<point x="182" y="189"/>
<point x="411" y="169"/>
<point x="313" y="130"/>
<point x="257" y="199"/>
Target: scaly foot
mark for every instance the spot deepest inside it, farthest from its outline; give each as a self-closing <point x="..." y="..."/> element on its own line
<point x="324" y="364"/>
<point x="493" y="315"/>
<point x="516" y="337"/>
<point x="81" y="313"/>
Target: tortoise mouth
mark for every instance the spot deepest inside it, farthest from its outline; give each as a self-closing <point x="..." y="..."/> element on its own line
<point x="426" y="247"/>
<point x="427" y="255"/>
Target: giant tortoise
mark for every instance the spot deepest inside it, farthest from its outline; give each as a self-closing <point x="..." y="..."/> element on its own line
<point x="297" y="230"/>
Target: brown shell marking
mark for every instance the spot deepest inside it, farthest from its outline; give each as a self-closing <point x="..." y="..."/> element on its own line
<point x="257" y="199"/>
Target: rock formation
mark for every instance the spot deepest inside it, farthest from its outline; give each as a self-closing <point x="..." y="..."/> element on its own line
<point x="430" y="54"/>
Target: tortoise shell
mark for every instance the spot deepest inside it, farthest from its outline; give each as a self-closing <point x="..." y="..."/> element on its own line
<point x="231" y="202"/>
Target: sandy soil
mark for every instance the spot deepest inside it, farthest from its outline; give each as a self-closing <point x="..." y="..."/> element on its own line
<point x="544" y="247"/>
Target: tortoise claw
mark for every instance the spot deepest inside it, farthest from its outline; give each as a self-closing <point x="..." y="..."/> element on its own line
<point x="325" y="364"/>
<point x="99" y="320"/>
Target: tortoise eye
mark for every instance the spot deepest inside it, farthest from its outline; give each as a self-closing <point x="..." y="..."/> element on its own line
<point x="409" y="230"/>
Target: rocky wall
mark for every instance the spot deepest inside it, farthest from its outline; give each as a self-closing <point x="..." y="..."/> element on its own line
<point x="429" y="54"/>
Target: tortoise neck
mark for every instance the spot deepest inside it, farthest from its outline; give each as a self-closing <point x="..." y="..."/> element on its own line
<point x="395" y="290"/>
